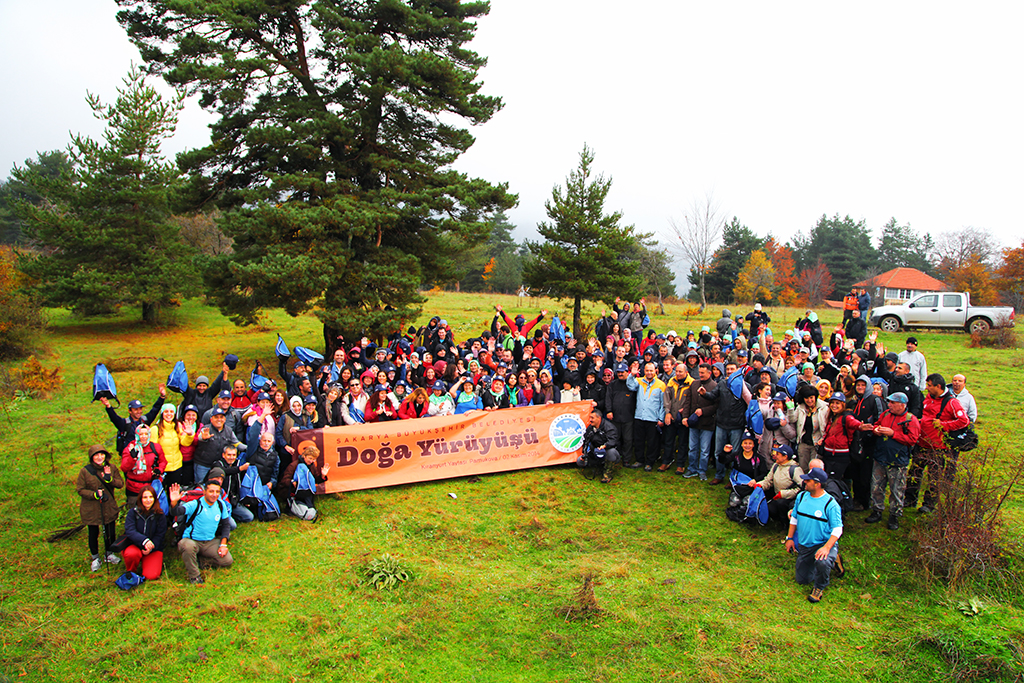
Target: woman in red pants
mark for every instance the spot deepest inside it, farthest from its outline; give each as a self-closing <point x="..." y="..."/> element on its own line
<point x="146" y="526"/>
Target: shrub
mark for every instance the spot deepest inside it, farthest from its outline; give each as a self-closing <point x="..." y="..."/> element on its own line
<point x="584" y="602"/>
<point x="21" y="316"/>
<point x="963" y="538"/>
<point x="386" y="573"/>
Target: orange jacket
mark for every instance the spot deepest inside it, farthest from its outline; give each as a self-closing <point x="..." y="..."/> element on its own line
<point x="850" y="302"/>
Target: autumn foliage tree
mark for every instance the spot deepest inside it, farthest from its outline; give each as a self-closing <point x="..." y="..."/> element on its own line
<point x="1010" y="281"/>
<point x="815" y="283"/>
<point x="756" y="280"/>
<point x="973" y="276"/>
<point x="786" y="282"/>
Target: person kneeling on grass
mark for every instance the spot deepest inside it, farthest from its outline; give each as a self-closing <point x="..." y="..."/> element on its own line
<point x="145" y="526"/>
<point x="782" y="483"/>
<point x="815" y="525"/>
<point x="600" y="444"/>
<point x="205" y="529"/>
<point x="298" y="485"/>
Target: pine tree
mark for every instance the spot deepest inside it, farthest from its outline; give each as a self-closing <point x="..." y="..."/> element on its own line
<point x="331" y="158"/>
<point x="582" y="256"/>
<point x="104" y="228"/>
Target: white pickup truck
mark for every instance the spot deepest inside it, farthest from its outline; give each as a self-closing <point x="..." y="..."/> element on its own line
<point x="942" y="309"/>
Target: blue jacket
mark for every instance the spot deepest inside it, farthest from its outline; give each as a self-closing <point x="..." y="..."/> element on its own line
<point x="650" y="404"/>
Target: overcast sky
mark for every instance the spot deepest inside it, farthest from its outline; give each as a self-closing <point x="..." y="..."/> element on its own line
<point x="785" y="111"/>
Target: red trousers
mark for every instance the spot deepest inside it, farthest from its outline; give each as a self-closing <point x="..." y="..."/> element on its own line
<point x="152" y="564"/>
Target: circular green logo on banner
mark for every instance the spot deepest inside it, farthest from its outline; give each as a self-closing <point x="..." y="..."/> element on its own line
<point x="566" y="433"/>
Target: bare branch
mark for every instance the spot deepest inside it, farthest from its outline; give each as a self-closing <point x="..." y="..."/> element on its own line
<point x="696" y="237"/>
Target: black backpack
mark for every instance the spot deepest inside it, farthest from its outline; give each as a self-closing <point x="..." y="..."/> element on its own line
<point x="959" y="440"/>
<point x="840" y="492"/>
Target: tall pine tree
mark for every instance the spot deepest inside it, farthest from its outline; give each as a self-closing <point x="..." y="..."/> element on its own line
<point x="844" y="245"/>
<point x="104" y="230"/>
<point x="583" y="255"/>
<point x="331" y="158"/>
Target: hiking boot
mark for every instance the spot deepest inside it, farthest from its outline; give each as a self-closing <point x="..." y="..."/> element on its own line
<point x="688" y="475"/>
<point x="648" y="468"/>
<point x="703" y="477"/>
<point x="839" y="568"/>
<point x="875" y="516"/>
<point x="606" y="479"/>
<point x="815" y="595"/>
<point x="96" y="563"/>
<point x="198" y="580"/>
<point x="112" y="558"/>
<point x="716" y="481"/>
<point x="634" y="465"/>
<point x="681" y="470"/>
<point x="894" y="523"/>
<point x="926" y="509"/>
<point x="662" y="468"/>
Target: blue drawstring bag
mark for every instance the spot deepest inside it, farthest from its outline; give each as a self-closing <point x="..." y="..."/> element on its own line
<point x="178" y="379"/>
<point x="281" y="349"/>
<point x="252" y="487"/>
<point x="161" y="495"/>
<point x="737" y="478"/>
<point x="129" y="580"/>
<point x="735" y="383"/>
<point x="755" y="418"/>
<point x="308" y="356"/>
<point x="757" y="506"/>
<point x="789" y="380"/>
<point x="557" y="331"/>
<point x="256" y="380"/>
<point x="103" y="384"/>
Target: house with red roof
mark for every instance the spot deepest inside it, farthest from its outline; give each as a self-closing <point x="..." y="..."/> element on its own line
<point x="899" y="285"/>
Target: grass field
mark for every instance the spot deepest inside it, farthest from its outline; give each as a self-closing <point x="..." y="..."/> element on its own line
<point x="685" y="594"/>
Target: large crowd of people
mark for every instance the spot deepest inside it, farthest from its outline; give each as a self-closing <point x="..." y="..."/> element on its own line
<point x="787" y="413"/>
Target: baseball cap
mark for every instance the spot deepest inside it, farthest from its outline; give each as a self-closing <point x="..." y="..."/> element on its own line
<point x="817" y="474"/>
<point x="784" y="449"/>
<point x="135" y="403"/>
<point x="438" y="386"/>
<point x="838" y="396"/>
<point x="218" y="411"/>
<point x="898" y="397"/>
<point x="310" y="399"/>
<point x="621" y="367"/>
<point x="224" y="394"/>
<point x="263" y="396"/>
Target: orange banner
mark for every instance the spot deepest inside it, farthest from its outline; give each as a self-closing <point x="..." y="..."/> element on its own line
<point x="405" y="451"/>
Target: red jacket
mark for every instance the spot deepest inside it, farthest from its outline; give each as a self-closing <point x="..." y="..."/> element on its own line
<point x="408" y="410"/>
<point x="954" y="417"/>
<point x="139" y="473"/>
<point x="839" y="432"/>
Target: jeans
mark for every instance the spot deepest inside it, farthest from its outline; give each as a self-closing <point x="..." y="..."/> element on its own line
<point x="722" y="437"/>
<point x="810" y="570"/>
<point x="242" y="514"/>
<point x="700" y="450"/>
<point x="200" y="472"/>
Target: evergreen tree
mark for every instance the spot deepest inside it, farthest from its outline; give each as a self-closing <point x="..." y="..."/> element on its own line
<point x="49" y="165"/>
<point x="584" y="252"/>
<point x="844" y="245"/>
<point x="507" y="264"/>
<point x="900" y="247"/>
<point x="331" y="158"/>
<point x="104" y="228"/>
<point x="738" y="243"/>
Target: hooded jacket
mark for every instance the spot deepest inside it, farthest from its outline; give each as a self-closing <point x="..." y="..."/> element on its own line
<point x="95" y="511"/>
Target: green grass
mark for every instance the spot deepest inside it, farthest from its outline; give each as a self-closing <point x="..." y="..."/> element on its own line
<point x="685" y="594"/>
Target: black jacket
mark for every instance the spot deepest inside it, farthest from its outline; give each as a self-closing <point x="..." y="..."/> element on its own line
<point x="620" y="401"/>
<point x="732" y="411"/>
<point x="607" y="435"/>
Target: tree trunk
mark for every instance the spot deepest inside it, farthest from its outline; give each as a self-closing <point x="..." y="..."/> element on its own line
<point x="577" y="324"/>
<point x="149" y="312"/>
<point x="331" y="342"/>
<point x="703" y="297"/>
<point x="661" y="304"/>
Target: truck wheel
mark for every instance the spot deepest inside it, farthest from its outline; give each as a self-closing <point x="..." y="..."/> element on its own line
<point x="981" y="325"/>
<point x="890" y="323"/>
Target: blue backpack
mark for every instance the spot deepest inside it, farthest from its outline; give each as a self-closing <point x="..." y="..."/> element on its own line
<point x="103" y="384"/>
<point x="755" y="418"/>
<point x="257" y="381"/>
<point x="178" y="379"/>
